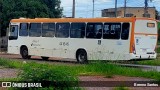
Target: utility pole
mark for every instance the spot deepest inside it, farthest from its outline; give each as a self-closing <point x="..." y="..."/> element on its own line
<point x="73" y="9"/>
<point x="115" y="8"/>
<point x="93" y="10"/>
<point x="125" y="8"/>
<point x="146" y="14"/>
<point x="146" y="7"/>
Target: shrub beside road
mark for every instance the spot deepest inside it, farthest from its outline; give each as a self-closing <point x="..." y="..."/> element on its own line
<point x="34" y="71"/>
<point x="98" y="68"/>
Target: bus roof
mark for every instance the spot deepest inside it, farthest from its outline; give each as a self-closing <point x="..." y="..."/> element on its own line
<point x="131" y="19"/>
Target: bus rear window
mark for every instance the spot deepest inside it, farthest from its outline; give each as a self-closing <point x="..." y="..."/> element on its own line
<point x="151" y="25"/>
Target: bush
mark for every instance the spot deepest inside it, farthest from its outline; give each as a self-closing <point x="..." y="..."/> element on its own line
<point x="52" y="77"/>
<point x="121" y="88"/>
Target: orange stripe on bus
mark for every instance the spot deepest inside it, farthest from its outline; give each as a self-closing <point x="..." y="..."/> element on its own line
<point x="73" y="20"/>
<point x="145" y="34"/>
<point x="132" y="36"/>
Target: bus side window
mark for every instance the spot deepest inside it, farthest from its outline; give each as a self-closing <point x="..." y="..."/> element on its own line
<point x="13" y="32"/>
<point x="94" y="30"/>
<point x="35" y="29"/>
<point x="62" y="30"/>
<point x="125" y="31"/>
<point x="48" y="29"/>
<point x="111" y="30"/>
<point x="23" y="29"/>
<point x="106" y="31"/>
<point x="77" y="30"/>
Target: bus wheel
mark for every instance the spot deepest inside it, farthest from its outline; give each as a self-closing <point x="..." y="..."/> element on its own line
<point x="44" y="58"/>
<point x="81" y="56"/>
<point x="24" y="53"/>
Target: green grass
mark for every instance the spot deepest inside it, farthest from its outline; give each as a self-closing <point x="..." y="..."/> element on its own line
<point x="158" y="42"/>
<point x="158" y="50"/>
<point x="43" y="72"/>
<point x="9" y="79"/>
<point x="121" y="88"/>
<point x="98" y="68"/>
<point x="150" y="62"/>
<point x="111" y="69"/>
<point x="10" y="64"/>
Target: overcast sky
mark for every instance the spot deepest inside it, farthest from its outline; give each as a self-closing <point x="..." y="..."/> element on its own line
<point x="84" y="8"/>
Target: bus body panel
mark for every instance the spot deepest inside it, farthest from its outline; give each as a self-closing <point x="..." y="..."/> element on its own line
<point x="113" y="50"/>
<point x="145" y="39"/>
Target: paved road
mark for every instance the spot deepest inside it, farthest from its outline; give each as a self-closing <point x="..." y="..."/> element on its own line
<point x="143" y="67"/>
<point x="39" y="60"/>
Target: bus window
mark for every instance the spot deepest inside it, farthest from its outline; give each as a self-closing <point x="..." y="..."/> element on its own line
<point x="151" y="25"/>
<point x="111" y="30"/>
<point x="77" y="30"/>
<point x="94" y="30"/>
<point x="23" y="29"/>
<point x="35" y="30"/>
<point x="62" y="30"/>
<point x="48" y="29"/>
<point x="13" y="32"/>
<point x="125" y="31"/>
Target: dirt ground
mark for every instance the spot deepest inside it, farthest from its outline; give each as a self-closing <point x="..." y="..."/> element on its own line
<point x="8" y="73"/>
<point x="12" y="73"/>
<point x="102" y="79"/>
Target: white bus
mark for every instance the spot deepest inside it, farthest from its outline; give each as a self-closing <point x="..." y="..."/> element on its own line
<point x="84" y="39"/>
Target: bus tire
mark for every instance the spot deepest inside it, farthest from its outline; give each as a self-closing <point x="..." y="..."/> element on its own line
<point x="44" y="58"/>
<point x="24" y="53"/>
<point x="81" y="56"/>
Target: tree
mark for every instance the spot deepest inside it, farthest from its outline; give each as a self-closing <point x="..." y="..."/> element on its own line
<point x="11" y="9"/>
<point x="0" y="15"/>
<point x="54" y="7"/>
<point x="156" y="14"/>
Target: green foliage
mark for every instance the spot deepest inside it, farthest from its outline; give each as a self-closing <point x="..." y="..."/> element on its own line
<point x="121" y="88"/>
<point x="150" y="62"/>
<point x="10" y="63"/>
<point x="109" y="70"/>
<point x="158" y="50"/>
<point x="37" y="70"/>
<point x="43" y="73"/>
<point x="10" y="9"/>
